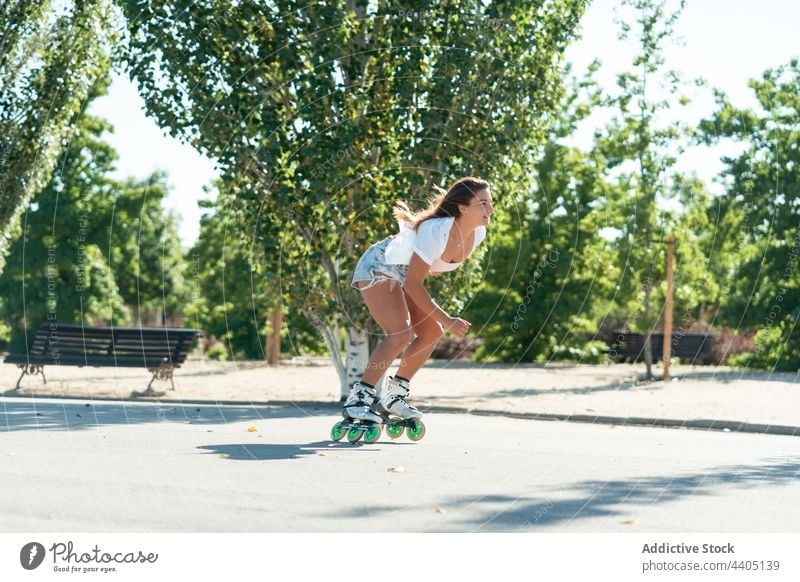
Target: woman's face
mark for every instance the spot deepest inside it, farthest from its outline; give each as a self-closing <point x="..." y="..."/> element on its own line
<point x="479" y="210"/>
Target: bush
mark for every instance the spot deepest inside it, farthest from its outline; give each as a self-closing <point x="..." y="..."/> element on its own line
<point x="216" y="350"/>
<point x="5" y="334"/>
<point x="592" y="352"/>
<point x="777" y="347"/>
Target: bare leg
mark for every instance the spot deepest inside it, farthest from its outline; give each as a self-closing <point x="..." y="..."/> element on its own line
<point x="387" y="305"/>
<point x="428" y="331"/>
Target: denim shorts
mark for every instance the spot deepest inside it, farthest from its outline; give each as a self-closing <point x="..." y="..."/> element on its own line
<point x="374" y="259"/>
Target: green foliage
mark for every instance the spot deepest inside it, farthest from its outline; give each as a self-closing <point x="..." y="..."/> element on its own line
<point x="144" y="250"/>
<point x="217" y="351"/>
<point x="93" y="249"/>
<point x="5" y="334"/>
<point x="50" y="59"/>
<point x="321" y="115"/>
<point x="758" y="217"/>
<point x="641" y="147"/>
<point x="233" y="291"/>
<point x="548" y="272"/>
<point x="591" y="245"/>
<point x="777" y="347"/>
<point x="592" y="352"/>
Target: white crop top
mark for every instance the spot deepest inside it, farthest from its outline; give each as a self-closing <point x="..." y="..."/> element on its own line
<point x="428" y="241"/>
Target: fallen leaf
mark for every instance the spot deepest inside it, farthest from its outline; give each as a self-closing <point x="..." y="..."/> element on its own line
<point x="322" y="454"/>
<point x="440" y="510"/>
<point x="252" y="429"/>
<point x="627" y="522"/>
<point x="223" y="456"/>
<point x="396" y="469"/>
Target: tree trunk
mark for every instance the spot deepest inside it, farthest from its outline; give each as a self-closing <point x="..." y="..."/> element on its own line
<point x="648" y="349"/>
<point x="357" y="351"/>
<point x="274" y="337"/>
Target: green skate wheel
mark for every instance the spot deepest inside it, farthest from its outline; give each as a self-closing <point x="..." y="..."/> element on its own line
<point x="338" y="431"/>
<point x="354" y="435"/>
<point x="372" y="434"/>
<point x="394" y="431"/>
<point x="417" y="432"/>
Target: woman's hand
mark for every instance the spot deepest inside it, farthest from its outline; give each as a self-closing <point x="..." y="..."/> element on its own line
<point x="457" y="326"/>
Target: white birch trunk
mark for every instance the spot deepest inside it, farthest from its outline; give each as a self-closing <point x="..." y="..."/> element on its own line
<point x="357" y="352"/>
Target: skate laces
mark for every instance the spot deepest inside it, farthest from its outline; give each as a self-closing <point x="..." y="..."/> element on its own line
<point x="362" y="392"/>
<point x="399" y="394"/>
<point x="401" y="384"/>
<point x="403" y="393"/>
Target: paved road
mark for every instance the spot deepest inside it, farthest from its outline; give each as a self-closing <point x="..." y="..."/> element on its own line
<point x="66" y="466"/>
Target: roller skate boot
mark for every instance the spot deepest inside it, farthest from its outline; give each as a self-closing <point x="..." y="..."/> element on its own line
<point x="359" y="403"/>
<point x="360" y="420"/>
<point x="399" y="415"/>
<point x="394" y="400"/>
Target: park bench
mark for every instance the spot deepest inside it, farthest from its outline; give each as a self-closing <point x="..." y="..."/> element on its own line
<point x="159" y="349"/>
<point x="695" y="347"/>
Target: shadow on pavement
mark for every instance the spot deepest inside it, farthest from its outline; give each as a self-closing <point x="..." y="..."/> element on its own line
<point x="276" y="452"/>
<point x="31" y="414"/>
<point x="616" y="499"/>
<point x="621" y="500"/>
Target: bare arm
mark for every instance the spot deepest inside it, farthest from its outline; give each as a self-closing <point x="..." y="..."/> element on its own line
<point x="417" y="271"/>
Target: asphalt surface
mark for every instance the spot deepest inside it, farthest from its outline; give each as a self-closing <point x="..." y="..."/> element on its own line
<point x="76" y="465"/>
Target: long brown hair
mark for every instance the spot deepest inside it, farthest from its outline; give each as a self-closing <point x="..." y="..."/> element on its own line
<point x="444" y="202"/>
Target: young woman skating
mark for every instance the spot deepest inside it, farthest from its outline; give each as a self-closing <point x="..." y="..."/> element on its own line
<point x="390" y="276"/>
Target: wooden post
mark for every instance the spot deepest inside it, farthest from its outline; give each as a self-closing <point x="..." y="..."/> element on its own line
<point x="274" y="339"/>
<point x="667" y="354"/>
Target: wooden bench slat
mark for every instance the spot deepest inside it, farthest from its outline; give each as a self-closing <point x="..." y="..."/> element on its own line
<point x="93" y="360"/>
<point x="77" y="345"/>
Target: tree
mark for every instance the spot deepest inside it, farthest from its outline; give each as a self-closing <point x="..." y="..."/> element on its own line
<point x="57" y="271"/>
<point x="144" y="250"/>
<point x="642" y="145"/>
<point x="93" y="249"/>
<point x="548" y="276"/>
<point x="233" y="291"/>
<point x="49" y="64"/>
<point x="321" y="115"/>
<point x="759" y="229"/>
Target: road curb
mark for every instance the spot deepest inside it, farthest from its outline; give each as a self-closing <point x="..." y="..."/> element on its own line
<point x="698" y="424"/>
